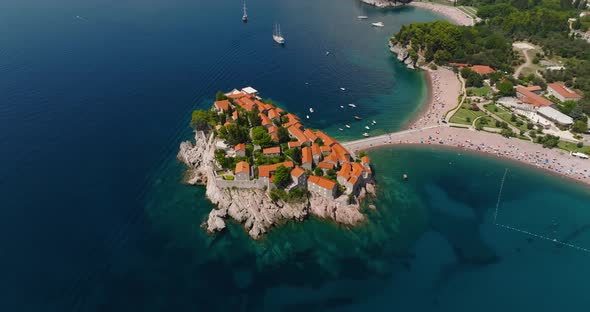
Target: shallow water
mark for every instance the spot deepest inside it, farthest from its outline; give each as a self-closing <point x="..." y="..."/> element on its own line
<point x="96" y="97"/>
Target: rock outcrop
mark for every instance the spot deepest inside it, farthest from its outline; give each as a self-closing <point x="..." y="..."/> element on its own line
<point x="403" y="55"/>
<point x="253" y="207"/>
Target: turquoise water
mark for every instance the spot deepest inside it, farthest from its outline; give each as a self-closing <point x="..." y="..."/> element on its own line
<point x="96" y="97"/>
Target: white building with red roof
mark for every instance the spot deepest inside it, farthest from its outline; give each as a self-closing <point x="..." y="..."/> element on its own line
<point x="561" y="92"/>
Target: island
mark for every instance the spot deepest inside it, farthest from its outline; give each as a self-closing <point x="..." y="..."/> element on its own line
<point x="262" y="167"/>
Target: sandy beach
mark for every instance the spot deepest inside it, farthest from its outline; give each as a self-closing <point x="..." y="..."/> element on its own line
<point x="427" y="129"/>
<point x="453" y="14"/>
<point x="554" y="160"/>
<point x="443" y="90"/>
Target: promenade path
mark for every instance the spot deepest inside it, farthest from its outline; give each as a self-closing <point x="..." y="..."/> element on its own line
<point x="384" y="139"/>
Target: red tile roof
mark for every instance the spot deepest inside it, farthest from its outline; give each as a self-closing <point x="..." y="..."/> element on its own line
<point x="265" y="120"/>
<point x="459" y="64"/>
<point x="322" y="182"/>
<point x="325" y="149"/>
<point x="272" y="114"/>
<point x="271" y="150"/>
<point x="325" y="138"/>
<point x="306" y="155"/>
<point x="297" y="172"/>
<point x="365" y="160"/>
<point x="236" y="95"/>
<point x="265" y="170"/>
<point x="240" y="147"/>
<point x="315" y="149"/>
<point x="532" y="98"/>
<point x="482" y="69"/>
<point x="345" y="171"/>
<point x="563" y="90"/>
<point x="310" y="135"/>
<point x="223" y="105"/>
<point x="297" y="133"/>
<point x="325" y="165"/>
<point x="234" y="115"/>
<point x="273" y="129"/>
<point x="242" y="166"/>
<point x="293" y="144"/>
<point x="533" y="88"/>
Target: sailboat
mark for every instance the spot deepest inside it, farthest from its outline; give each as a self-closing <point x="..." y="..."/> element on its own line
<point x="245" y="16"/>
<point x="276" y="35"/>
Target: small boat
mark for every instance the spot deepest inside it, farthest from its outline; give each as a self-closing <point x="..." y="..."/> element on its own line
<point x="245" y="15"/>
<point x="311" y="110"/>
<point x="378" y="24"/>
<point x="405" y="176"/>
<point x="347" y="126"/>
<point x="343" y="89"/>
<point x="365" y="134"/>
<point x="367" y="127"/>
<point x="307" y="116"/>
<point x="374" y="122"/>
<point x="276" y="35"/>
<point x="357" y="118"/>
<point x="362" y="17"/>
<point x="352" y="105"/>
<point x="327" y="52"/>
<point x="341" y="106"/>
<point x="340" y="129"/>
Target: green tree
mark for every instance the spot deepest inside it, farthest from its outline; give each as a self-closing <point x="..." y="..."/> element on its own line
<point x="283" y="134"/>
<point x="580" y="126"/>
<point x="506" y="88"/>
<point x="203" y="119"/>
<point x="282" y="177"/>
<point x="297" y="155"/>
<point x="318" y="171"/>
<point x="261" y="137"/>
<point x="219" y="96"/>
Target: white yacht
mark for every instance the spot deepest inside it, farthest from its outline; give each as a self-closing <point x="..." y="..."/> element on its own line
<point x="340" y="129"/>
<point x="362" y="17"/>
<point x="374" y="122"/>
<point x="367" y="127"/>
<point x="378" y="24"/>
<point x="276" y="35"/>
<point x="311" y="110"/>
<point x="347" y="126"/>
<point x="352" y="105"/>
<point x="245" y="14"/>
<point x="307" y="116"/>
<point x="343" y="89"/>
<point x="365" y="134"/>
<point x="341" y="106"/>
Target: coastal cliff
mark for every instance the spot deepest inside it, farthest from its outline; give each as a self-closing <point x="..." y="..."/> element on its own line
<point x="253" y="207"/>
<point x="406" y="55"/>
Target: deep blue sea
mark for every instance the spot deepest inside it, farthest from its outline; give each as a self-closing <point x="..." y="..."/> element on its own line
<point x="96" y="95"/>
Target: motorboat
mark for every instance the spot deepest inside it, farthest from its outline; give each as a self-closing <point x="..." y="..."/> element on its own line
<point x="358" y="118"/>
<point x="378" y="24"/>
<point x="365" y="134"/>
<point x="347" y="126"/>
<point x="352" y="105"/>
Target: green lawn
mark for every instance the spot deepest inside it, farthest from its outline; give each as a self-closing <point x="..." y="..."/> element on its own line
<point x="466" y="116"/>
<point x="483" y="91"/>
<point x="506" y="116"/>
<point x="571" y="147"/>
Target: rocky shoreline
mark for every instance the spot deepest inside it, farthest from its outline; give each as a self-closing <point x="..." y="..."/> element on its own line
<point x="253" y="207"/>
